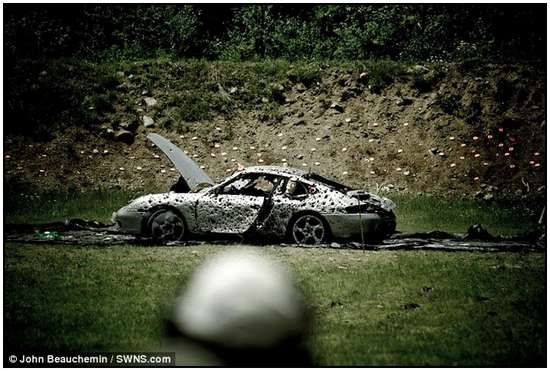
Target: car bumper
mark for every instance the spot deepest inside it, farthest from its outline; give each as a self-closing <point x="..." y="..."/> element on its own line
<point x="355" y="225"/>
<point x="129" y="221"/>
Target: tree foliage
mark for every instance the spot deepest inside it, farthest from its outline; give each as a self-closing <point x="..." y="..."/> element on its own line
<point x="247" y="32"/>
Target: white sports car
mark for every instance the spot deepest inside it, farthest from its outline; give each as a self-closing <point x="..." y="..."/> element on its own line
<point x="269" y="201"/>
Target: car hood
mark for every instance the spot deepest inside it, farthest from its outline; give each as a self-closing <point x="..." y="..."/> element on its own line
<point x="368" y="197"/>
<point x="193" y="175"/>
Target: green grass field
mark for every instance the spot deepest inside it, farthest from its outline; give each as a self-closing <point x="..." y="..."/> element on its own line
<point x="473" y="309"/>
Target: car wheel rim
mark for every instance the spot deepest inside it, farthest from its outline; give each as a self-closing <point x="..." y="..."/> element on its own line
<point x="167" y="226"/>
<point x="309" y="230"/>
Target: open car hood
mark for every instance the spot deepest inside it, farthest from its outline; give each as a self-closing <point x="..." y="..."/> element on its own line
<point x="193" y="175"/>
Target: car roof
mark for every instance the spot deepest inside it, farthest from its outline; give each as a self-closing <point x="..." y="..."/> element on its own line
<point x="275" y="170"/>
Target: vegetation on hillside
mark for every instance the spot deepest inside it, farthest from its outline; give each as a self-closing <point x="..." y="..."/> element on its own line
<point x="243" y="32"/>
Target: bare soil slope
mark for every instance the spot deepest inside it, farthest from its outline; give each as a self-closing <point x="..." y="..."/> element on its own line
<point x="432" y="128"/>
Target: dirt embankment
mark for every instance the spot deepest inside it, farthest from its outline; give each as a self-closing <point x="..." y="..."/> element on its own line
<point x="436" y="129"/>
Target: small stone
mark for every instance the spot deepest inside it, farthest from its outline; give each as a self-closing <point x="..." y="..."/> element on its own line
<point x="148" y="121"/>
<point x="260" y="160"/>
<point x="213" y="154"/>
<point x="317" y="139"/>
<point x="476" y="155"/>
<point x="463" y="145"/>
<point x="398" y="169"/>
<point x="218" y="128"/>
<point x="233" y="90"/>
<point x="452" y="165"/>
<point x="406" y="173"/>
<point x="216" y="145"/>
<point x="283" y="160"/>
<point x="106" y="151"/>
<point x="284" y="148"/>
<point x="280" y="134"/>
<point x="348" y="120"/>
<point x="399" y="151"/>
<point x="313" y="149"/>
<point x="203" y="167"/>
<point x="344" y="149"/>
<point x="235" y="148"/>
<point x="163" y="171"/>
<point x="150" y="102"/>
<point x="338" y="108"/>
<point x="124" y="136"/>
<point x="405" y="124"/>
<point x="252" y="147"/>
<point x="194" y="138"/>
<point x="121" y="168"/>
<point x="42" y="171"/>
<point x="451" y="138"/>
<point x="95" y="150"/>
<point x="317" y="163"/>
<point x="224" y="153"/>
<point x="375" y="124"/>
<point x="345" y="173"/>
<point x="404" y="101"/>
<point x="139" y="168"/>
<point x="475" y="138"/>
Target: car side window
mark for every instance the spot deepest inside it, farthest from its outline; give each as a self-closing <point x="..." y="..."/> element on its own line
<point x="252" y="185"/>
<point x="295" y="188"/>
<point x="235" y="186"/>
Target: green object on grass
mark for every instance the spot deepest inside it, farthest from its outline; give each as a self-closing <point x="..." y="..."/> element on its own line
<point x="47" y="235"/>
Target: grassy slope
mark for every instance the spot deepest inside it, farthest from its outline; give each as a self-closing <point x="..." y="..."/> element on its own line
<point x="475" y="308"/>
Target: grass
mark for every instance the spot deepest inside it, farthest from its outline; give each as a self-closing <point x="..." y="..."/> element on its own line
<point x="406" y="308"/>
<point x="474" y="309"/>
<point x="453" y="214"/>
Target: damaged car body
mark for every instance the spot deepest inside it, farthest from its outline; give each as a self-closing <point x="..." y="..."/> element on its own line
<point x="260" y="201"/>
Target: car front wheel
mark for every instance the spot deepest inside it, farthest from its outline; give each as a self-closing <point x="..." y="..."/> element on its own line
<point x="309" y="229"/>
<point x="166" y="226"/>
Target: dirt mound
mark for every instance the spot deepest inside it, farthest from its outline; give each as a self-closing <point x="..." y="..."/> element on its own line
<point x="435" y="128"/>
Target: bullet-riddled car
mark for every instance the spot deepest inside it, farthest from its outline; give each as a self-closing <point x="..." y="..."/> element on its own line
<point x="271" y="201"/>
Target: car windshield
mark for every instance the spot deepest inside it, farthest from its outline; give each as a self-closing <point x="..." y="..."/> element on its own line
<point x="328" y="182"/>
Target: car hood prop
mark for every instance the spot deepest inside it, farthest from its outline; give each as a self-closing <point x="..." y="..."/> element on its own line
<point x="189" y="170"/>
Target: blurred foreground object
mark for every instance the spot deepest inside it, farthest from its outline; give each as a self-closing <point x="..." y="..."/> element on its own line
<point x="239" y="308"/>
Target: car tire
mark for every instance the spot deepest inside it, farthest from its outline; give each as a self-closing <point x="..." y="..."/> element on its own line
<point x="167" y="226"/>
<point x="309" y="229"/>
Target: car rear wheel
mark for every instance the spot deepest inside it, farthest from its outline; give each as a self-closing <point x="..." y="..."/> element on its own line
<point x="166" y="226"/>
<point x="309" y="229"/>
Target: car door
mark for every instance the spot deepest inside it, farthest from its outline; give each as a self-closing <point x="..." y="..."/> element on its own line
<point x="232" y="207"/>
